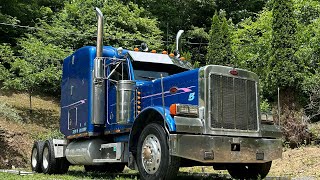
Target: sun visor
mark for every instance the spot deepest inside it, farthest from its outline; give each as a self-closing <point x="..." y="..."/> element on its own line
<point x="150" y="57"/>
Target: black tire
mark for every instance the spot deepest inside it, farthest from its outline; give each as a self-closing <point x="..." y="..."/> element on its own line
<point x="62" y="165"/>
<point x="167" y="166"/>
<point x="49" y="162"/>
<point x="249" y="171"/>
<point x="106" y="168"/>
<point x="36" y="156"/>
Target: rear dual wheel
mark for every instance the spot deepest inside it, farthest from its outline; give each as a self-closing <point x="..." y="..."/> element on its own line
<point x="50" y="164"/>
<point x="36" y="156"/>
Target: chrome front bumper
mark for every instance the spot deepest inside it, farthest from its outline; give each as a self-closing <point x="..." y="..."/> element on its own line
<point x="224" y="149"/>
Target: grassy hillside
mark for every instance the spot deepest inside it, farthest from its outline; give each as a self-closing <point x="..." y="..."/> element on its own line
<point x="20" y="126"/>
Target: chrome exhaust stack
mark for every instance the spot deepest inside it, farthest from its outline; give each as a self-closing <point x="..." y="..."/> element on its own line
<point x="178" y="38"/>
<point x="99" y="32"/>
<point x="176" y="52"/>
<point x="98" y="86"/>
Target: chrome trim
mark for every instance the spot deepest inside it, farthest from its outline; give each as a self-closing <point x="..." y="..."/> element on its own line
<point x="83" y="152"/>
<point x="194" y="147"/>
<point x="204" y="98"/>
<point x="69" y="118"/>
<point x="59" y="146"/>
<point x="99" y="32"/>
<point x="187" y="124"/>
<point x="125" y="100"/>
<point x="98" y="84"/>
<point x="210" y="105"/>
<point x="271" y="131"/>
<point x="178" y="38"/>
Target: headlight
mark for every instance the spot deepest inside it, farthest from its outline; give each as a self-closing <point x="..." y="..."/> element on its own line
<point x="184" y="109"/>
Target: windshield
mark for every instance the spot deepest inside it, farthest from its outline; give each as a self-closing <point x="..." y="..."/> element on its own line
<point x="150" y="71"/>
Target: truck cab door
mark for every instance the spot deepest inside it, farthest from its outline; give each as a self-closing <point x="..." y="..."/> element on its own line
<point x="121" y="73"/>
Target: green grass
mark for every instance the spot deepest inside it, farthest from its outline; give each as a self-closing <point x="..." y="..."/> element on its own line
<point x="77" y="172"/>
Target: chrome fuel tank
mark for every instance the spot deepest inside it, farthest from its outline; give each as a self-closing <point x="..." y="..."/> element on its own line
<point x="83" y="152"/>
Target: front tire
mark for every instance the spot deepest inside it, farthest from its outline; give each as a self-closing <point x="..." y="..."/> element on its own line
<point x="249" y="171"/>
<point x="36" y="156"/>
<point x="153" y="157"/>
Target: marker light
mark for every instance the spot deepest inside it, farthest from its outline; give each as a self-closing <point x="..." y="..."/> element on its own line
<point x="182" y="58"/>
<point x="120" y="49"/>
<point x="233" y="72"/>
<point x="136" y="49"/>
<point x="171" y="55"/>
<point x="173" y="109"/>
<point x="164" y="52"/>
<point x="173" y="90"/>
<point x="153" y="51"/>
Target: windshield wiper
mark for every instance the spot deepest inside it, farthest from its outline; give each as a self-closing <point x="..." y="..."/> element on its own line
<point x="148" y="77"/>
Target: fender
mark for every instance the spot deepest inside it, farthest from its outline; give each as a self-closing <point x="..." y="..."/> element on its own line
<point x="164" y="112"/>
<point x="149" y="115"/>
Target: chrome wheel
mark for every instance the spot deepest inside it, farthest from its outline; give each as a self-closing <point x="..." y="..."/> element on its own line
<point x="45" y="158"/>
<point x="34" y="160"/>
<point x="151" y="154"/>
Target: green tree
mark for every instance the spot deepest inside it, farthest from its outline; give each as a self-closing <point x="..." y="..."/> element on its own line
<point x="219" y="48"/>
<point x="6" y="58"/>
<point x="239" y="10"/>
<point x="174" y="15"/>
<point x="197" y="44"/>
<point x="284" y="68"/>
<point x="24" y="12"/>
<point x="252" y="43"/>
<point x="75" y="25"/>
<point x="42" y="52"/>
<point x="38" y="69"/>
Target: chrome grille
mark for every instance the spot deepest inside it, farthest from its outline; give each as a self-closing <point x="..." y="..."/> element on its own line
<point x="233" y="103"/>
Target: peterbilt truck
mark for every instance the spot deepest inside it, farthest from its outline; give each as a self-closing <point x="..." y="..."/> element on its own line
<point x="155" y="113"/>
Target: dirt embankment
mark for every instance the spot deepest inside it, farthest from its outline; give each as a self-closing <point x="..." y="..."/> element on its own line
<point x="299" y="162"/>
<point x="17" y="137"/>
<point x="15" y="146"/>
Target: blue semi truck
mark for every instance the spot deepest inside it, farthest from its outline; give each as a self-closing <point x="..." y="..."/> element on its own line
<point x="154" y="113"/>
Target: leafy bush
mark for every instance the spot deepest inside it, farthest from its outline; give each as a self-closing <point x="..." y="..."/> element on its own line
<point x="311" y="87"/>
<point x="265" y="106"/>
<point x="294" y="128"/>
<point x="9" y="113"/>
<point x="53" y="134"/>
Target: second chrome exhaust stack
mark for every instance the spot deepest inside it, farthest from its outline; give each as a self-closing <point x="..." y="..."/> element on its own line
<point x="99" y="32"/>
<point x="98" y="86"/>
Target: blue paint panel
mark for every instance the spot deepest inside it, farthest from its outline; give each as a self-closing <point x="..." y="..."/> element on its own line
<point x="187" y="84"/>
<point x="76" y="90"/>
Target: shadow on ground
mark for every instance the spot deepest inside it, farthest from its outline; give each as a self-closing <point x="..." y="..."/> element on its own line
<point x="181" y="176"/>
